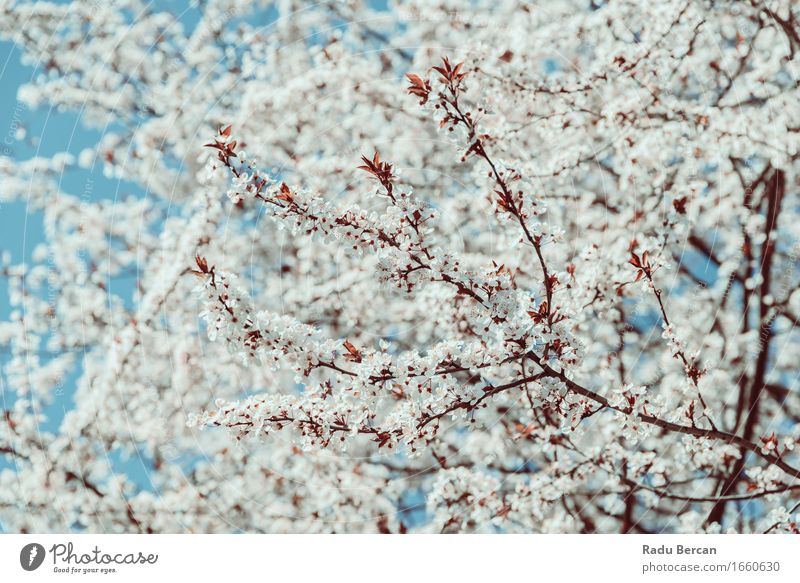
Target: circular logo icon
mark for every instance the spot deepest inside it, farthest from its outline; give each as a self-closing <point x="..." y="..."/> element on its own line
<point x="31" y="556"/>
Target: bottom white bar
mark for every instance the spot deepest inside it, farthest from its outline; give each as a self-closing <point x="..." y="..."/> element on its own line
<point x="331" y="559"/>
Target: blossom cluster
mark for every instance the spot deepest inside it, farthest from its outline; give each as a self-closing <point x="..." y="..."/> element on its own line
<point x="544" y="280"/>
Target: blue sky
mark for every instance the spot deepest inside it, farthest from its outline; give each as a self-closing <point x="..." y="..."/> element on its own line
<point x="28" y="133"/>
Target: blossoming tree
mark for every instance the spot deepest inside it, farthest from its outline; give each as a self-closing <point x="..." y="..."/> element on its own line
<point x="449" y="267"/>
